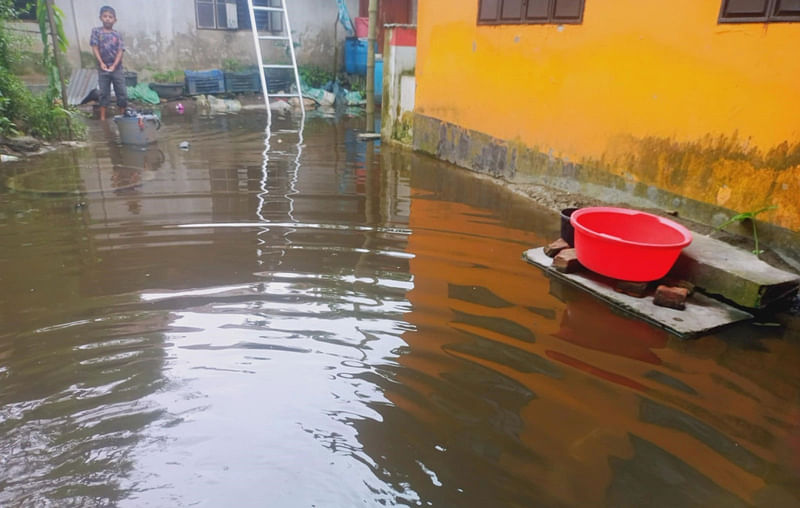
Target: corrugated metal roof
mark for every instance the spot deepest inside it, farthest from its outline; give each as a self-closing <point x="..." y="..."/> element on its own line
<point x="81" y="83"/>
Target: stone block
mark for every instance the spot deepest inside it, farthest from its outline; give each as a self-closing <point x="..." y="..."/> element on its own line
<point x="734" y="274"/>
<point x="21" y="143"/>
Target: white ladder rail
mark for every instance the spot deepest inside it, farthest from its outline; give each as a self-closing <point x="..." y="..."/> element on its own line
<point x="257" y="38"/>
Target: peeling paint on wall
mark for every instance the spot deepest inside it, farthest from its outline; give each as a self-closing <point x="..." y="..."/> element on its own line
<point x="722" y="170"/>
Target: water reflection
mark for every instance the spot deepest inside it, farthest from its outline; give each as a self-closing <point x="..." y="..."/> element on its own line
<point x="319" y="321"/>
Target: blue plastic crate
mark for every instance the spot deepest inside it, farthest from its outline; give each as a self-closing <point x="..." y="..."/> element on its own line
<point x="279" y="79"/>
<point x="246" y="81"/>
<point x="204" y="82"/>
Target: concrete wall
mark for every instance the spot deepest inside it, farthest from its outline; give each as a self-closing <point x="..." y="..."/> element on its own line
<point x="163" y="35"/>
<point x="655" y="96"/>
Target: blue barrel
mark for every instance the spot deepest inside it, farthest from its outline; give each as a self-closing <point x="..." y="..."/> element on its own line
<point x="378" y="80"/>
<point x="355" y="56"/>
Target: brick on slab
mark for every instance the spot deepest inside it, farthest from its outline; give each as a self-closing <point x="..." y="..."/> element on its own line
<point x="554" y="248"/>
<point x="566" y="261"/>
<point x="671" y="296"/>
<point x="680" y="283"/>
<point x="636" y="289"/>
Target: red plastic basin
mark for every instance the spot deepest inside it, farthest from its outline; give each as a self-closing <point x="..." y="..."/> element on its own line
<point x="627" y="244"/>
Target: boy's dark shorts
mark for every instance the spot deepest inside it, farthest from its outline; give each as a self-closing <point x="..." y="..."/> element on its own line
<point x="105" y="79"/>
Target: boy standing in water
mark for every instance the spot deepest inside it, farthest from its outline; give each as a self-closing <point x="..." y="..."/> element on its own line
<point x="107" y="47"/>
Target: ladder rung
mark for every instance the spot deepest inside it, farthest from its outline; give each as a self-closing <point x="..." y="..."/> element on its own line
<point x="275" y="37"/>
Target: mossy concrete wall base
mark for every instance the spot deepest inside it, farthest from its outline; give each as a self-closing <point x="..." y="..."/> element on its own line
<point x="522" y="164"/>
<point x="734" y="274"/>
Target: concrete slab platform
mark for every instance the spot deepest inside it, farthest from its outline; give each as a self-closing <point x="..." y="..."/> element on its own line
<point x="735" y="274"/>
<point x="702" y="315"/>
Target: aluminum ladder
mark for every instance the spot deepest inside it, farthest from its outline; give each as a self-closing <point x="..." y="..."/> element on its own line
<point x="259" y="36"/>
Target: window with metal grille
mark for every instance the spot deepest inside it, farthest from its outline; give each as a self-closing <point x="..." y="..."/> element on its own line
<point x="514" y="12"/>
<point x="235" y="15"/>
<point x="265" y="21"/>
<point x="759" y="11"/>
<point x="216" y="14"/>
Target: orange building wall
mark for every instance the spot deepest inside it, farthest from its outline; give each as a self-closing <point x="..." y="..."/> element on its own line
<point x="656" y="92"/>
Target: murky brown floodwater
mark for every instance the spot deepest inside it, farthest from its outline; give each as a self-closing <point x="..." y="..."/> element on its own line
<point x="350" y="326"/>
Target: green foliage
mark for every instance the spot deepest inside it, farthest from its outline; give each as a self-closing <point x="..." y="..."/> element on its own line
<point x="44" y="26"/>
<point x="748" y="216"/>
<point x="233" y="65"/>
<point x="173" y="76"/>
<point x="61" y="42"/>
<point x="314" y="76"/>
<point x="49" y="121"/>
<point x="14" y="102"/>
<point x="24" y="9"/>
<point x="7" y="127"/>
<point x="6" y="53"/>
<point x="358" y="84"/>
<point x="20" y="110"/>
<point x="7" y="9"/>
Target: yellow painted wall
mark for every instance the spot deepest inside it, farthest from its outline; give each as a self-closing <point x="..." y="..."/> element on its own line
<point x="645" y="89"/>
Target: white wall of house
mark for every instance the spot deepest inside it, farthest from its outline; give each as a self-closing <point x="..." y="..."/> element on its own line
<point x="163" y="35"/>
<point x="399" y="82"/>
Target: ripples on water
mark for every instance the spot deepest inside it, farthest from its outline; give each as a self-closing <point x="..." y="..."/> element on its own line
<point x="350" y="325"/>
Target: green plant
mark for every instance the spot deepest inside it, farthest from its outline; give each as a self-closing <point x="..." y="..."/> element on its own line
<point x="172" y="76"/>
<point x="233" y="65"/>
<point x="48" y="121"/>
<point x="314" y="76"/>
<point x="21" y="111"/>
<point x="48" y="59"/>
<point x="15" y="102"/>
<point x="7" y="127"/>
<point x="748" y="216"/>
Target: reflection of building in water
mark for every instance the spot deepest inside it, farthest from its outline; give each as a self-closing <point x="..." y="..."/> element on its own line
<point x="542" y="401"/>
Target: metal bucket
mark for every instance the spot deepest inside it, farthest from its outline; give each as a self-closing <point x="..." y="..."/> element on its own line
<point x="137" y="130"/>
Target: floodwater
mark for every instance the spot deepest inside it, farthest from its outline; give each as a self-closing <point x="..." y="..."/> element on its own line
<point x="334" y="323"/>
